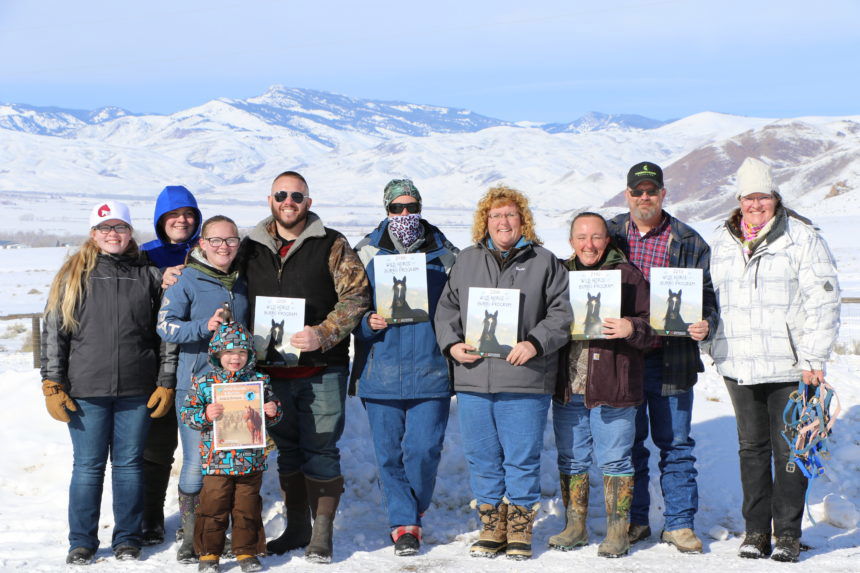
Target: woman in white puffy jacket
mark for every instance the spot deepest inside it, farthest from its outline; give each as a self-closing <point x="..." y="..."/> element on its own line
<point x="778" y="294"/>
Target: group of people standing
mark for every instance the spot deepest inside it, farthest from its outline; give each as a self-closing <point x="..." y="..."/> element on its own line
<point x="134" y="339"/>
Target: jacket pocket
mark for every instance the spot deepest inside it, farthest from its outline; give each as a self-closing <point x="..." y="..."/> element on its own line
<point x="791" y="344"/>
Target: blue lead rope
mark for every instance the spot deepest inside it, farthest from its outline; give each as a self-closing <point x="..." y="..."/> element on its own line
<point x="808" y="425"/>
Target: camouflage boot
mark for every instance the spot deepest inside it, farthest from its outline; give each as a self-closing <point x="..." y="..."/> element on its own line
<point x="187" y="506"/>
<point x="494" y="532"/>
<point x="574" y="494"/>
<point x="618" y="495"/>
<point x="520" y="522"/>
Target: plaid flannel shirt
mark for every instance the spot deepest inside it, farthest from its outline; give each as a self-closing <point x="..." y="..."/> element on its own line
<point x="687" y="249"/>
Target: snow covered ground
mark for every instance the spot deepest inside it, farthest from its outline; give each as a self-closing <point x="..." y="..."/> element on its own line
<point x="34" y="479"/>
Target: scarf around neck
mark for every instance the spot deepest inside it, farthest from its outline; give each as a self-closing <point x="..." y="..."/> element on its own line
<point x="752" y="235"/>
<point x="196" y="260"/>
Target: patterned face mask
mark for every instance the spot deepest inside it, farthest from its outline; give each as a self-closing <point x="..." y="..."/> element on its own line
<point x="407" y="228"/>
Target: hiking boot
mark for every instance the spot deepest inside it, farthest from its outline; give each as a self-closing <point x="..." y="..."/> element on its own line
<point x="298" y="515"/>
<point x="127" y="553"/>
<point x="521" y="519"/>
<point x="80" y="556"/>
<point x="755" y="546"/>
<point x="494" y="530"/>
<point x="637" y="532"/>
<point x="574" y="495"/>
<point x="684" y="540"/>
<point x="323" y="498"/>
<point x="787" y="549"/>
<point x="617" y="497"/>
<point x="249" y="563"/>
<point x="152" y="533"/>
<point x="187" y="506"/>
<point x="208" y="564"/>
<point x="407" y="540"/>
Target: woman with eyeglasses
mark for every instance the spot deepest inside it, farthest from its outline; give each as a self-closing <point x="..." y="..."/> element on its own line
<point x="100" y="366"/>
<point x="503" y="402"/>
<point x="208" y="289"/>
<point x="778" y="293"/>
<point x="399" y="372"/>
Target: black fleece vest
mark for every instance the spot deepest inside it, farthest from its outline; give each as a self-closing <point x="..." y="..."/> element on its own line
<point x="304" y="274"/>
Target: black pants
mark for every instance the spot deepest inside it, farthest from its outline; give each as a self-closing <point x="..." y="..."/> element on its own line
<point x="770" y="493"/>
<point x="161" y="442"/>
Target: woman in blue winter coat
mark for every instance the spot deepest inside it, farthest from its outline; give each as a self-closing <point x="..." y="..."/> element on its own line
<point x="191" y="310"/>
<point x="400" y="373"/>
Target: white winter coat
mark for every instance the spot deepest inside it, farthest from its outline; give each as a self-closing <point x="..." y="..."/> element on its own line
<point x="779" y="310"/>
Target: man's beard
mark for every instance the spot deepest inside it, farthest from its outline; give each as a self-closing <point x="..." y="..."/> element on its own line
<point x="301" y="217"/>
<point x="646" y="212"/>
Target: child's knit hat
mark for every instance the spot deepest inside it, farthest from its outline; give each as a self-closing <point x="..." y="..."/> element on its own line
<point x="231" y="336"/>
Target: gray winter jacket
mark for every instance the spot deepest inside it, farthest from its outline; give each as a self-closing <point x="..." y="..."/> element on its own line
<point x="545" y="316"/>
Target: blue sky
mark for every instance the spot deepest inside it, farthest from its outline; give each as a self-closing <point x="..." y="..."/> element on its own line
<point x="514" y="60"/>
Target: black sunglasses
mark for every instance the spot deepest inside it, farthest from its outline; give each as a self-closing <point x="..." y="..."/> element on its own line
<point x="640" y="192"/>
<point x="296" y="196"/>
<point x="395" y="208"/>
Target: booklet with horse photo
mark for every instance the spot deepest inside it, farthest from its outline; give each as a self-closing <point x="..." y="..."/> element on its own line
<point x="492" y="321"/>
<point x="400" y="284"/>
<point x="276" y="320"/>
<point x="241" y="425"/>
<point x="594" y="295"/>
<point x="676" y="300"/>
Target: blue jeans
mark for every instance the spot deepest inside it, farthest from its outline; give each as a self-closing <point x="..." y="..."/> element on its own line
<point x="407" y="439"/>
<point x="191" y="474"/>
<point x="103" y="427"/>
<point x="669" y="419"/>
<point x="502" y="439"/>
<point x="579" y="431"/>
<point x="312" y="424"/>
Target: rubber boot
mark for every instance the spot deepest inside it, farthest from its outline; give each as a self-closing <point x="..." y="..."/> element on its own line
<point x="618" y="496"/>
<point x="494" y="532"/>
<point x="298" y="514"/>
<point x="323" y="498"/>
<point x="155" y="479"/>
<point x="187" y="506"/>
<point x="574" y="494"/>
<point x="521" y="519"/>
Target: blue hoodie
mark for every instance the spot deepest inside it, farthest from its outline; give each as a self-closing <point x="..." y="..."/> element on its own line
<point x="161" y="251"/>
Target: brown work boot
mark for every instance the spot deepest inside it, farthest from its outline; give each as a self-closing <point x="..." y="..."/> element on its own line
<point x="520" y="521"/>
<point x="684" y="540"/>
<point x="574" y="494"/>
<point x="297" y="533"/>
<point x="323" y="498"/>
<point x="637" y="532"/>
<point x="618" y="495"/>
<point x="494" y="532"/>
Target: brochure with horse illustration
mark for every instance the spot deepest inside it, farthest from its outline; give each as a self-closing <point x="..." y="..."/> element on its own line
<point x="676" y="300"/>
<point x="492" y="321"/>
<point x="276" y="319"/>
<point x="241" y="425"/>
<point x="594" y="295"/>
<point x="400" y="284"/>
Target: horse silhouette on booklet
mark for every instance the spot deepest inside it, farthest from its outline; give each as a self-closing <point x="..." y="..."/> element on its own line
<point x="400" y="309"/>
<point x="275" y="351"/>
<point x="673" y="320"/>
<point x="593" y="323"/>
<point x="488" y="343"/>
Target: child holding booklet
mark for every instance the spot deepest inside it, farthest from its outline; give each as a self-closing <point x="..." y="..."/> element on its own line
<point x="231" y="478"/>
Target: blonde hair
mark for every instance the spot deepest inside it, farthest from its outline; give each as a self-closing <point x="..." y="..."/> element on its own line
<point x="67" y="289"/>
<point x="499" y="196"/>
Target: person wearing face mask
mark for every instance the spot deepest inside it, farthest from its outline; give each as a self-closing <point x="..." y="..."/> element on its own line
<point x="599" y="386"/>
<point x="400" y="373"/>
<point x="778" y="292"/>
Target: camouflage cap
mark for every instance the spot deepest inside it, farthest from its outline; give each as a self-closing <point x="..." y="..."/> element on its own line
<point x="398" y="187"/>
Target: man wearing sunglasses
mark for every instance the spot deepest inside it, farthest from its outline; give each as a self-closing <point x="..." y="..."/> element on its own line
<point x="651" y="237"/>
<point x="291" y="254"/>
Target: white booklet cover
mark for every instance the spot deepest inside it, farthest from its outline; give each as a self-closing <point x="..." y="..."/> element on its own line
<point x="594" y="295"/>
<point x="241" y="425"/>
<point x="492" y="320"/>
<point x="276" y="320"/>
<point x="676" y="300"/>
<point x="400" y="285"/>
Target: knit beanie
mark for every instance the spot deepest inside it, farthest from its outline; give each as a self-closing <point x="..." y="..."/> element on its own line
<point x="755" y="176"/>
<point x="398" y="187"/>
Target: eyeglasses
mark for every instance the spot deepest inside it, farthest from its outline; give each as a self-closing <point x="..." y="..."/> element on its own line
<point x="497" y="216"/>
<point x="121" y="228"/>
<point x="759" y="199"/>
<point x="639" y="192"/>
<point x="218" y="241"/>
<point x="296" y="196"/>
<point x="396" y="208"/>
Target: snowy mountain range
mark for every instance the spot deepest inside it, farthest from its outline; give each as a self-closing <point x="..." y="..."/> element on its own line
<point x="348" y="148"/>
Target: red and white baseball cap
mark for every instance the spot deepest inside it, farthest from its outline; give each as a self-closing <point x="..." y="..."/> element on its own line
<point x="110" y="210"/>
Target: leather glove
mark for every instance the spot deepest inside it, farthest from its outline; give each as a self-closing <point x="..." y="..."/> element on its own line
<point x="57" y="401"/>
<point x="161" y="400"/>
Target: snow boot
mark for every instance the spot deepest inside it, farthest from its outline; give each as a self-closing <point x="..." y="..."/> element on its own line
<point x="80" y="556"/>
<point x="637" y="532"/>
<point x="187" y="506"/>
<point x="574" y="494"/>
<point x="323" y="498"/>
<point x="209" y="564"/>
<point x="756" y="545"/>
<point x="618" y="495"/>
<point x="297" y="533"/>
<point x="155" y="479"/>
<point x="494" y="533"/>
<point x="787" y="549"/>
<point x="249" y="563"/>
<point x="521" y="519"/>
